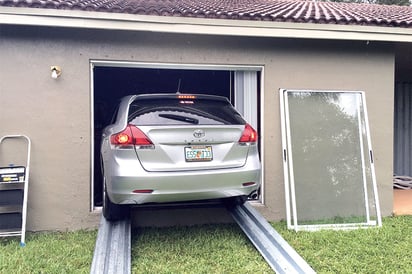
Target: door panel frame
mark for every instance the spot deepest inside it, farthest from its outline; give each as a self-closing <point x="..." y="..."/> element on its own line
<point x="250" y="112"/>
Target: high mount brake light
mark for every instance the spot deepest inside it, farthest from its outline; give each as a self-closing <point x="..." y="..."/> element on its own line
<point x="249" y="135"/>
<point x="186" y="97"/>
<point x="131" y="135"/>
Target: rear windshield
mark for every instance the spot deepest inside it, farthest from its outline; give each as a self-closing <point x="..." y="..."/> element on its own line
<point x="174" y="111"/>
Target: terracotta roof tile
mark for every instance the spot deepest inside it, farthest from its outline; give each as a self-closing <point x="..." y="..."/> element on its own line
<point x="265" y="10"/>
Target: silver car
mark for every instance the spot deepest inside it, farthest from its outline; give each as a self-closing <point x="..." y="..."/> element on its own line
<point x="164" y="148"/>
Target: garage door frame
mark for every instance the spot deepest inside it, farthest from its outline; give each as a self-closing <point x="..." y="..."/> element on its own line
<point x="176" y="66"/>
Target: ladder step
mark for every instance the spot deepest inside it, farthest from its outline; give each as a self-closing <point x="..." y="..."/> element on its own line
<point x="10" y="232"/>
<point x="4" y="209"/>
<point x="11" y="186"/>
<point x="14" y="186"/>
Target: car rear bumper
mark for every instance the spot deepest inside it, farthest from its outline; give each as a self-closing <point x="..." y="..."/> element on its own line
<point x="181" y="185"/>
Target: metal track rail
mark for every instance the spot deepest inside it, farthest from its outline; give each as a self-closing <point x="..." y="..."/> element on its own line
<point x="281" y="257"/>
<point x="112" y="253"/>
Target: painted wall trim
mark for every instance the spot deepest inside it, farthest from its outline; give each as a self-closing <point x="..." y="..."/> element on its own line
<point x="168" y="24"/>
<point x="136" y="64"/>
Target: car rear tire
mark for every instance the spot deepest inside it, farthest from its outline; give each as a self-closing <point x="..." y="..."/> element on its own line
<point x="111" y="211"/>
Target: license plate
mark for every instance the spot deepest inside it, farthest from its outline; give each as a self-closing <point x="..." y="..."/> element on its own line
<point x="198" y="153"/>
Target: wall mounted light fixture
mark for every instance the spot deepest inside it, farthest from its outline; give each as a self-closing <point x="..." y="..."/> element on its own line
<point x="56" y="71"/>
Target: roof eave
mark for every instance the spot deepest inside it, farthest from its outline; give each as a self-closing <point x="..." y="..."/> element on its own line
<point x="205" y="26"/>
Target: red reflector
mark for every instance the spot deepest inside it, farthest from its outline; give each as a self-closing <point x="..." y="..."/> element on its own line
<point x="249" y="135"/>
<point x="146" y="191"/>
<point x="249" y="184"/>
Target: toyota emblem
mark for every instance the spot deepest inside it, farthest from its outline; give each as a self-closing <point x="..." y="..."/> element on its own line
<point x="199" y="133"/>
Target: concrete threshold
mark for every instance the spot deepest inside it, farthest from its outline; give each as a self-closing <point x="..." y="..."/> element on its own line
<point x="402" y="202"/>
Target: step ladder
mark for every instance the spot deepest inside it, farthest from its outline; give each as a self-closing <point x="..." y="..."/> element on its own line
<point x="14" y="183"/>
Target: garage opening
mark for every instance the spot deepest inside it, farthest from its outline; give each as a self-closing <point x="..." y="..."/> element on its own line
<point x="402" y="165"/>
<point x="112" y="81"/>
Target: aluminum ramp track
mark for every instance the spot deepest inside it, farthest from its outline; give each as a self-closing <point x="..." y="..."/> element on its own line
<point x="281" y="257"/>
<point x="112" y="253"/>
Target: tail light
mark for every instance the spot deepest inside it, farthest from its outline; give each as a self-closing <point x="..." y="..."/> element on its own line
<point x="249" y="135"/>
<point x="130" y="136"/>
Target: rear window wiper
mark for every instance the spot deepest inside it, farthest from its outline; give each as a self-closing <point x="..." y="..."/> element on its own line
<point x="180" y="118"/>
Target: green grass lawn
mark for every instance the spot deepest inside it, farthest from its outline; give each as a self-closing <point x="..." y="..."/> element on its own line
<point x="373" y="250"/>
<point x="198" y="249"/>
<point x="69" y="252"/>
<point x="218" y="249"/>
